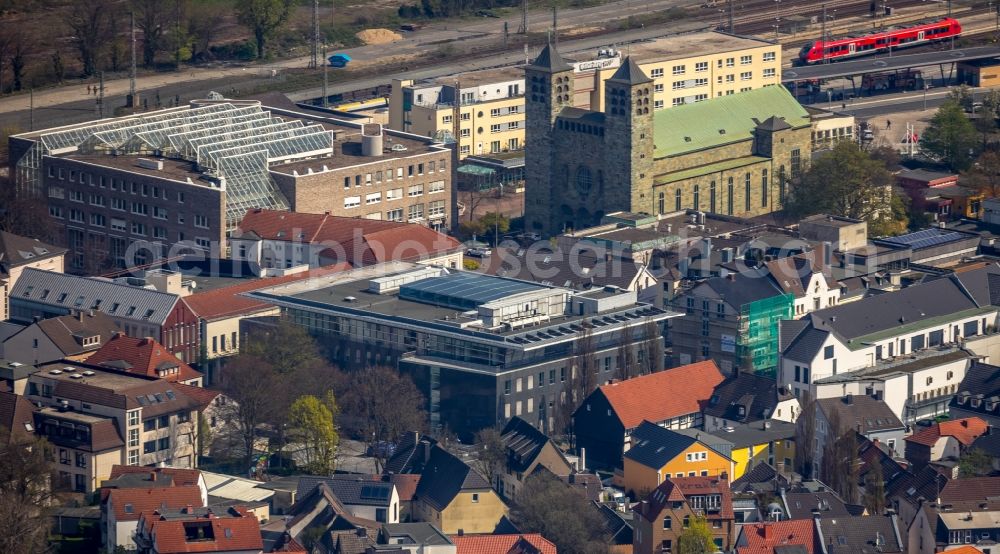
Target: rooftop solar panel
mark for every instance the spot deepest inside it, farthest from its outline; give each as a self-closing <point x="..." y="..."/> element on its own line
<point x="926" y="238"/>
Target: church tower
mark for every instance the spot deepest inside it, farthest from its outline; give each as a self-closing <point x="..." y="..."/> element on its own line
<point x="628" y="109"/>
<point x="548" y="89"/>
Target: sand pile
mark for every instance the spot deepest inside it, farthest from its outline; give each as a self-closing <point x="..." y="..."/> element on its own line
<point x="378" y="36"/>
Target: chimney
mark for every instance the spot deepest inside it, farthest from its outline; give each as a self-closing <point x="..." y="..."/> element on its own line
<point x="79" y="315"/>
<point x="731" y="276"/>
<point x="583" y="460"/>
<point x="461" y="532"/>
<point x="849" y="399"/>
<point x="768" y="532"/>
<point x="724" y="476"/>
<point x="189" y="509"/>
<point x="965" y="423"/>
<point x="426" y="447"/>
<point x="152" y="476"/>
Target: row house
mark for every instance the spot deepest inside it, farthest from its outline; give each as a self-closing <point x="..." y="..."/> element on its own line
<point x="669" y="509"/>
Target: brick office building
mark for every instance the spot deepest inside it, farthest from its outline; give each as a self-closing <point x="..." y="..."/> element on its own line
<point x="188" y="175"/>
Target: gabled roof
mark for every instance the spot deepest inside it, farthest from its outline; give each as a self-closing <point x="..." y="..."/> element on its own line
<point x="444" y="477"/>
<point x="16" y="250"/>
<point x="201" y="395"/>
<point x="763" y="538"/>
<point x="503" y="544"/>
<point x="523" y="442"/>
<point x="757" y="395"/>
<point x="235" y="530"/>
<point x="116" y="300"/>
<point x="964" y="430"/>
<point x="925" y="484"/>
<point x="145" y="356"/>
<point x="409" y="454"/>
<point x="800" y="505"/>
<point x="860" y="534"/>
<point x="981" y="381"/>
<point x="321" y="508"/>
<point x="351" y="489"/>
<point x="16" y="414"/>
<point x="128" y="504"/>
<point x="654" y="446"/>
<point x="356" y="241"/>
<point x="68" y="331"/>
<point x="677" y="489"/>
<point x="549" y="60"/>
<point x="617" y="529"/>
<point x="655" y="397"/>
<point x="971" y="489"/>
<point x="861" y="413"/>
<point x="630" y="73"/>
<point x="181" y="477"/>
<point x="739" y="289"/>
<point x="762" y="477"/>
<point x="806" y="343"/>
<point x="406" y="485"/>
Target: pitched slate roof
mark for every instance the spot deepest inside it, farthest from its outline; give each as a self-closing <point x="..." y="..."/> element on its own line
<point x="630" y="73"/>
<point x="16" y="250"/>
<point x="654" y="446"/>
<point x="350" y="489"/>
<point x="128" y="504"/>
<point x="864" y="413"/>
<point x="980" y="379"/>
<point x="322" y="508"/>
<point x="116" y="300"/>
<point x="773" y="124"/>
<point x="739" y="289"/>
<point x="677" y="489"/>
<point x="861" y="534"/>
<point x="16" y="414"/>
<point x="756" y="394"/>
<point x="145" y="356"/>
<point x="201" y="395"/>
<point x="656" y="397"/>
<point x="68" y="331"/>
<point x="502" y="544"/>
<point x="964" y="430"/>
<point x="550" y="60"/>
<point x="782" y="533"/>
<point x="762" y="477"/>
<point x="926" y="484"/>
<point x="806" y="344"/>
<point x="616" y="528"/>
<point x="523" y="442"/>
<point x="801" y="504"/>
<point x="444" y="477"/>
<point x="409" y="454"/>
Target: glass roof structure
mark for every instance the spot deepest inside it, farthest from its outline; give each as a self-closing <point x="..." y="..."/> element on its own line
<point x="464" y="290"/>
<point x="233" y="145"/>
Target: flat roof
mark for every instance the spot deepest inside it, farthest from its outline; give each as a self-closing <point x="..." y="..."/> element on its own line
<point x="72" y="415"/>
<point x="692" y="44"/>
<point x="831" y="220"/>
<point x="909" y="363"/>
<point x="476" y="78"/>
<point x="886" y="63"/>
<point x="100" y="378"/>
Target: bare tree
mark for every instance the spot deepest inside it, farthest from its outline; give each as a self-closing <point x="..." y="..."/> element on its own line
<point x="90" y="23"/>
<point x="19" y="214"/>
<point x="626" y="367"/>
<point x="874" y="498"/>
<point x="203" y="22"/>
<point x="18" y="60"/>
<point x="151" y="19"/>
<point x="580" y="382"/>
<point x="840" y="459"/>
<point x="263" y="18"/>
<point x="653" y="346"/>
<point x="383" y="405"/>
<point x="26" y="490"/>
<point x="251" y="383"/>
<point x="805" y="436"/>
<point x="491" y="454"/>
<point x="562" y="514"/>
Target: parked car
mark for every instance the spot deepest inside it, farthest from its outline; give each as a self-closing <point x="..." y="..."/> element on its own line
<point x="478" y="252"/>
<point x="381" y="449"/>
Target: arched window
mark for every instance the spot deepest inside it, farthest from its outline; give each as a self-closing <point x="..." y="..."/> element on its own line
<point x="711" y="197"/>
<point x="746" y="186"/>
<point x="677" y="200"/>
<point x="729" y="200"/>
<point x="763" y="189"/>
<point x="697" y="198"/>
<point x="661" y="200"/>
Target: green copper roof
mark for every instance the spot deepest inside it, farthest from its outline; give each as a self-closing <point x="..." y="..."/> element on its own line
<point x="722" y="120"/>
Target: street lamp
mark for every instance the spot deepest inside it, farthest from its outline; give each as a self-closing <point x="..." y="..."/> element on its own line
<point x="925" y="96"/>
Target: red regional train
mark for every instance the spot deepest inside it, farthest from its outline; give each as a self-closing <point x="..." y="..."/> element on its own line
<point x="894" y="37"/>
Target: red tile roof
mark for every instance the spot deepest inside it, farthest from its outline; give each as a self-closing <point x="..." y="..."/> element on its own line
<point x="237" y="532"/>
<point x="761" y="538"/>
<point x="406" y="485"/>
<point x="147" y="500"/>
<point x="676" y="489"/>
<point x="660" y="396"/>
<point x="970" y="489"/>
<point x="964" y="430"/>
<point x="499" y="544"/>
<point x="229" y="301"/>
<point x="352" y="240"/>
<point x="142" y="355"/>
<point x="182" y="477"/>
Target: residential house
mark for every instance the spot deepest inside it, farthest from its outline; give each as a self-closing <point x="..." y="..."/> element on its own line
<point x="137" y="477"/>
<point x="658" y="453"/>
<point x="16" y="415"/>
<point x="74" y="337"/>
<point x="417" y="538"/>
<point x="319" y="517"/>
<point x="86" y="446"/>
<point x="978" y="394"/>
<point x="18" y="253"/>
<point x="411" y="454"/>
<point x="281" y="239"/>
<point x="144" y="356"/>
<point x="951" y="525"/>
<point x="867" y="416"/>
<point x="873" y="534"/>
<point x="748" y="398"/>
<point x="121" y="511"/>
<point x="454" y="497"/>
<point x="783" y="537"/>
<point x="761" y="442"/>
<point x="522" y="543"/>
<point x="194" y="529"/>
<point x="858" y="335"/>
<point x="618" y="530"/>
<point x="220" y="311"/>
<point x="368" y="498"/>
<point x="908" y="492"/>
<point x="946" y="440"/>
<point x="604" y="422"/>
<point x="813" y="499"/>
<point x="526" y="449"/>
<point x="666" y="512"/>
<point x="138" y="311"/>
<point x="156" y="420"/>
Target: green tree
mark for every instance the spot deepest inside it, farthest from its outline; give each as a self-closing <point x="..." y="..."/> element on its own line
<point x="493" y="223"/>
<point x="950" y="136"/>
<point x="874" y="498"/>
<point x="263" y="18"/>
<point x="314" y="423"/>
<point x="975" y="463"/>
<point x="560" y="513"/>
<point x="26" y="489"/>
<point x="848" y="182"/>
<point x="697" y="538"/>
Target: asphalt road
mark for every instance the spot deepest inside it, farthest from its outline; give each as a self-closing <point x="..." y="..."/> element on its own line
<point x="863" y="108"/>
